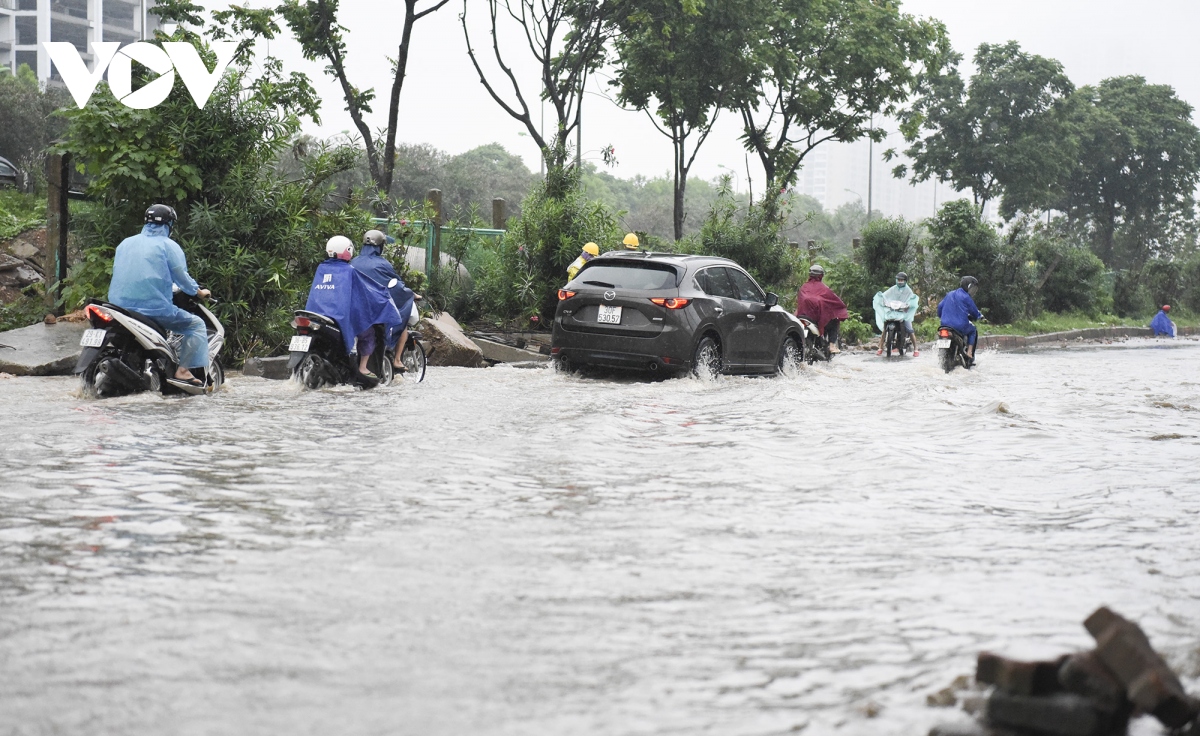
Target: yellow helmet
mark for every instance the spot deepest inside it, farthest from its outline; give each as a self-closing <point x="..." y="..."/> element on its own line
<point x="631" y="241"/>
<point x="592" y="248"/>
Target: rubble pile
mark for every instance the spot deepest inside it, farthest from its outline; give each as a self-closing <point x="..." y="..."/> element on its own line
<point x="1091" y="693"/>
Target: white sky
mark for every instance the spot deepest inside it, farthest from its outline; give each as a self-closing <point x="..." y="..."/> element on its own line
<point x="443" y="103"/>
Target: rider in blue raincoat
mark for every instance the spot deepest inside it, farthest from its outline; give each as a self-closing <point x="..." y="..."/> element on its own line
<point x="957" y="310"/>
<point x="1162" y="324"/>
<point x="900" y="292"/>
<point x="371" y="263"/>
<point x="145" y="268"/>
<point x="352" y="300"/>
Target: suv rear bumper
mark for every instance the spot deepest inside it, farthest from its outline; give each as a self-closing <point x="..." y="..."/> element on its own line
<point x="666" y="351"/>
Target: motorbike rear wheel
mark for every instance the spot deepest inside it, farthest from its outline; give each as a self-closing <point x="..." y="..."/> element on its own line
<point x="414" y="361"/>
<point x="948" y="357"/>
<point x="310" y="372"/>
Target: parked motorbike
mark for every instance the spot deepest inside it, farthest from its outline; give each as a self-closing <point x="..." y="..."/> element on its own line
<point x="952" y="349"/>
<point x="895" y="336"/>
<point x="125" y="352"/>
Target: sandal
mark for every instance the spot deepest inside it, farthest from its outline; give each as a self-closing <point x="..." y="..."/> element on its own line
<point x="193" y="381"/>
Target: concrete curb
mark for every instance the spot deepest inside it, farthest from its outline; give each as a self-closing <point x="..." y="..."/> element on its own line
<point x="1021" y="342"/>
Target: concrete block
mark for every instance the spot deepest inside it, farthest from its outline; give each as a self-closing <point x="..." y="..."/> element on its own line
<point x="448" y="346"/>
<point x="1061" y="714"/>
<point x="498" y="352"/>
<point x="1016" y="677"/>
<point x="1084" y="674"/>
<point x="273" y="368"/>
<point x="42" y="350"/>
<point x="1125" y="649"/>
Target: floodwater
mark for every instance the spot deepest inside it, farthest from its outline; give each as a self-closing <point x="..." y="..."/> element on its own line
<point x="510" y="551"/>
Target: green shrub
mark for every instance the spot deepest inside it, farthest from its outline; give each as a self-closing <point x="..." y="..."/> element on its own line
<point x="1130" y="298"/>
<point x="1163" y="280"/>
<point x="752" y="240"/>
<point x="967" y="246"/>
<point x="28" y="309"/>
<point x="855" y="331"/>
<point x="20" y="212"/>
<point x="851" y="281"/>
<point x="885" y="249"/>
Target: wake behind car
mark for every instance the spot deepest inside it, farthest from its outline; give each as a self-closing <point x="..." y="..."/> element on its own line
<point x="675" y="313"/>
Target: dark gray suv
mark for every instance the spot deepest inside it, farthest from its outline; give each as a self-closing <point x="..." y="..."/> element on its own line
<point x="675" y="313"/>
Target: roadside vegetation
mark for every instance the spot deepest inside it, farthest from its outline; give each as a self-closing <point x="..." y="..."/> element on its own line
<point x="1095" y="184"/>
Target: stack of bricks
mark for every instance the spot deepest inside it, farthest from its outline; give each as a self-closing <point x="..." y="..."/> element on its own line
<point x="1092" y="693"/>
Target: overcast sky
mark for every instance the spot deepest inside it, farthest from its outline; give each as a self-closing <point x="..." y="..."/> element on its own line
<point x="444" y="104"/>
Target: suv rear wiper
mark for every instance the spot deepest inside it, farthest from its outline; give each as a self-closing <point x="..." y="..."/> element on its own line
<point x="601" y="283"/>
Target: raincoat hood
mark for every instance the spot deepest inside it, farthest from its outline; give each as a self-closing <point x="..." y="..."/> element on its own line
<point x="352" y="300"/>
<point x="1162" y="324"/>
<point x="817" y="302"/>
<point x="897" y="293"/>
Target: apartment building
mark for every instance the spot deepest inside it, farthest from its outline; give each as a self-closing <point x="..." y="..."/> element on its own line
<point x="25" y="24"/>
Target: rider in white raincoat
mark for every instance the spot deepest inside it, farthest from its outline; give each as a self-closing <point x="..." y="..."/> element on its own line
<point x="900" y="293"/>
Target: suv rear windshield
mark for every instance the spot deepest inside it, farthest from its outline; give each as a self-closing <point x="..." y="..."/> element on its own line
<point x="636" y="276"/>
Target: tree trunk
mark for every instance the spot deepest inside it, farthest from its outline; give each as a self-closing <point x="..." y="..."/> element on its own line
<point x="681" y="173"/>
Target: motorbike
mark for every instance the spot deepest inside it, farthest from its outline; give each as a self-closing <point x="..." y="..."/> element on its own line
<point x="319" y="358"/>
<point x="125" y="352"/>
<point x="895" y="336"/>
<point x="952" y="349"/>
<point x="816" y="347"/>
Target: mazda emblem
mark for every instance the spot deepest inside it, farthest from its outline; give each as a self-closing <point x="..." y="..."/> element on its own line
<point x="610" y="295"/>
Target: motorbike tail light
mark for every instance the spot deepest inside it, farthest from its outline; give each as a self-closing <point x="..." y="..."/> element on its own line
<point x="671" y="302"/>
<point x="563" y="294"/>
<point x="943" y="333"/>
<point x="92" y="310"/>
<point x="301" y="322"/>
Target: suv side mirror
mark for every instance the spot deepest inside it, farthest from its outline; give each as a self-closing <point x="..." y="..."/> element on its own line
<point x="772" y="299"/>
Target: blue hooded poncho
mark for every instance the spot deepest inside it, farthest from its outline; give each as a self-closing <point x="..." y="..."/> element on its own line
<point x="352" y="300"/>
<point x="371" y="263"/>
<point x="144" y="269"/>
<point x="1162" y="325"/>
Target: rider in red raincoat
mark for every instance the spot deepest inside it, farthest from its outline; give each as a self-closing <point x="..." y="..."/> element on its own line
<point x="817" y="303"/>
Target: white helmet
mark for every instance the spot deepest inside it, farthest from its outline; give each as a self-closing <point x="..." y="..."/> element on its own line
<point x="339" y="246"/>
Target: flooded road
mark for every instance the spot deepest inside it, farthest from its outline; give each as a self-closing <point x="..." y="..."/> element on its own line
<point x="510" y="551"/>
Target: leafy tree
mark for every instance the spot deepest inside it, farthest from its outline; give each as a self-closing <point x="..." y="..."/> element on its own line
<point x="566" y="38"/>
<point x="251" y="235"/>
<point x="315" y="25"/>
<point x="884" y="248"/>
<point x="1137" y="169"/>
<point x="1008" y="134"/>
<point x="27" y="108"/>
<point x="751" y="239"/>
<point x="681" y="63"/>
<point x="823" y="68"/>
<point x="966" y="246"/>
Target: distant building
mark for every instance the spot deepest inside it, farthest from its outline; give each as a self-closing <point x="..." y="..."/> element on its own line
<point x="837" y="173"/>
<point x="25" y="24"/>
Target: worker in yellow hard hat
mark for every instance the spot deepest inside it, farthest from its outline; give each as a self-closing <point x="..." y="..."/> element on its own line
<point x="631" y="242"/>
<point x="590" y="251"/>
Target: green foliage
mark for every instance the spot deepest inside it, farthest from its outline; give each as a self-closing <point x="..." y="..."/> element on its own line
<point x="752" y="240"/>
<point x="251" y="236"/>
<point x="1191" y="283"/>
<point x="1163" y="280"/>
<point x="28" y="309"/>
<point x="884" y="249"/>
<point x="967" y="246"/>
<point x="27" y="109"/>
<point x="1138" y="169"/>
<point x="851" y="281"/>
<point x="1130" y="297"/>
<point x="20" y="212"/>
<point x="1068" y="276"/>
<point x="529" y="264"/>
<point x="822" y="69"/>
<point x="1006" y="134"/>
<point x="855" y="331"/>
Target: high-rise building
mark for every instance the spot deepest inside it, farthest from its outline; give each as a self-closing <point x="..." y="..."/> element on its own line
<point x="25" y="24"/>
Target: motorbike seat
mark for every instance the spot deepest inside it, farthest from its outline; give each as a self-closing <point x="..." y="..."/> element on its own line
<point x="148" y="321"/>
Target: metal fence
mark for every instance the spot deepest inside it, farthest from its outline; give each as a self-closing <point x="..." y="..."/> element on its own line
<point x="432" y="234"/>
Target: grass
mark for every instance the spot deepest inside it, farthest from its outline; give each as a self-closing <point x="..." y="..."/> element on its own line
<point x="1050" y="322"/>
<point x="20" y="212"/>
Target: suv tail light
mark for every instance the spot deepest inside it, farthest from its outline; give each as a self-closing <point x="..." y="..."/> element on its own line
<point x="563" y="294"/>
<point x="670" y="302"/>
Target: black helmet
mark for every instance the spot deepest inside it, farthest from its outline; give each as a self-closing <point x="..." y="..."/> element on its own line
<point x="968" y="283"/>
<point x="161" y="214"/>
<point x="902" y="276"/>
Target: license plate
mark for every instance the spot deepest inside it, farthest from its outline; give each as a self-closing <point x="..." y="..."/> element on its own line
<point x="943" y="344"/>
<point x="609" y="315"/>
<point x="300" y="343"/>
<point x="92" y="338"/>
